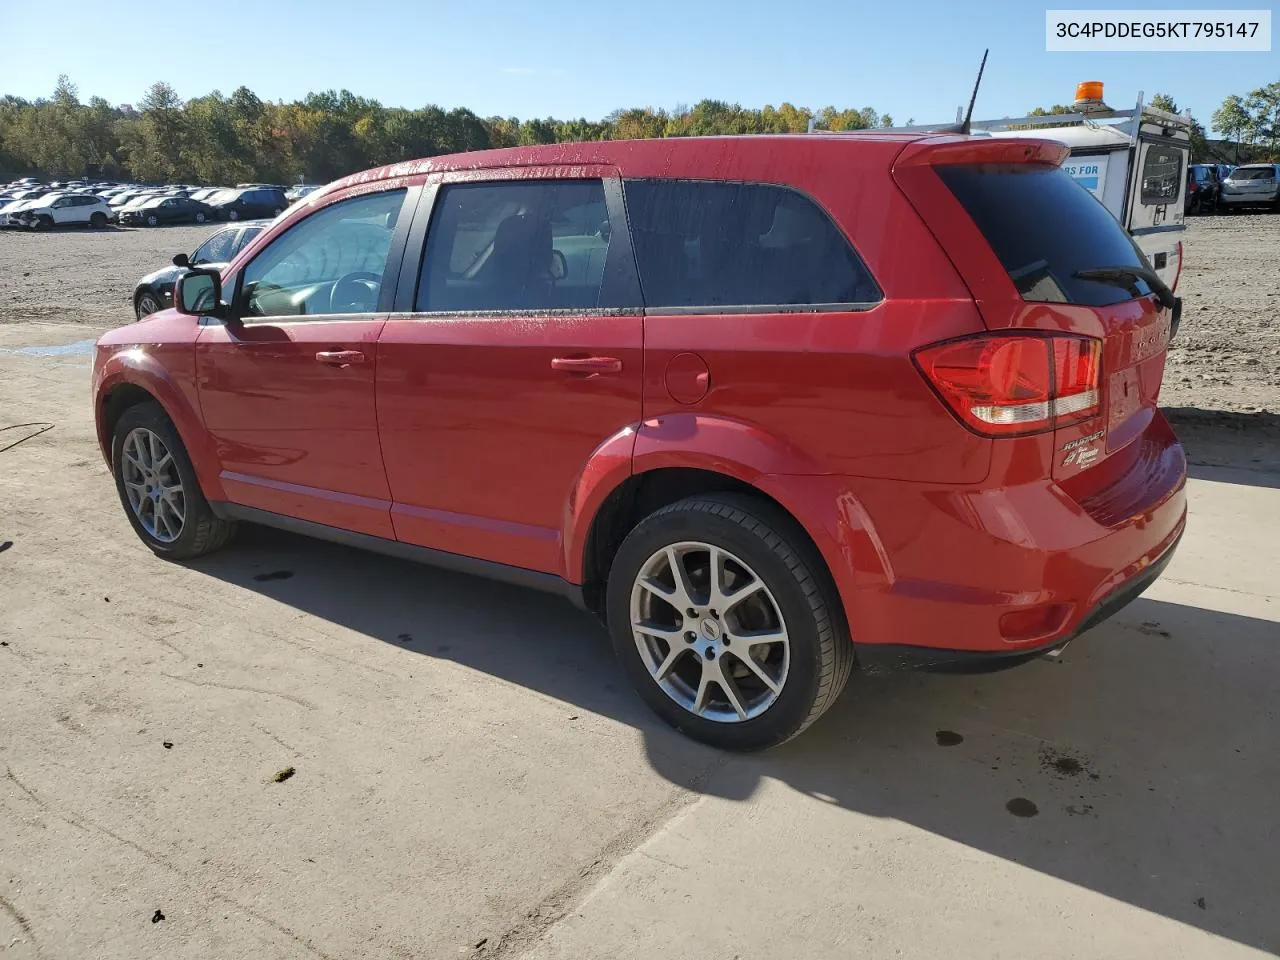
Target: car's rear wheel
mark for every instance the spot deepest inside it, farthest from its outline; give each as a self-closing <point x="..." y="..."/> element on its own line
<point x="200" y="217"/>
<point x="158" y="487"/>
<point x="97" y="220"/>
<point x="723" y="617"/>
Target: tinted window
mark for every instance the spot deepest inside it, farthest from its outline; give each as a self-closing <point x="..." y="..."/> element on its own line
<point x="716" y="244"/>
<point x="1044" y="227"/>
<point x="331" y="262"/>
<point x="1252" y="173"/>
<point x="217" y="249"/>
<point x="249" y="234"/>
<point x="540" y="245"/>
<point x="1161" y="174"/>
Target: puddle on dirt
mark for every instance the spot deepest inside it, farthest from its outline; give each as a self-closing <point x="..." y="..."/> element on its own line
<point x="81" y="348"/>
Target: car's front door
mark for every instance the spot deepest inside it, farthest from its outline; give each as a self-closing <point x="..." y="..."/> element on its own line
<point x="516" y="351"/>
<point x="287" y="392"/>
<point x="61" y="211"/>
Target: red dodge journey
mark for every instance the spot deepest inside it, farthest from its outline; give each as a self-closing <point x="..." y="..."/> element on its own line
<point x="773" y="407"/>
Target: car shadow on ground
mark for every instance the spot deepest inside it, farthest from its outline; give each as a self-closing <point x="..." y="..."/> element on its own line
<point x="1142" y="764"/>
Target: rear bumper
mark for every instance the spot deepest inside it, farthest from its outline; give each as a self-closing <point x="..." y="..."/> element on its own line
<point x="1248" y="199"/>
<point x="987" y="570"/>
<point x="882" y="658"/>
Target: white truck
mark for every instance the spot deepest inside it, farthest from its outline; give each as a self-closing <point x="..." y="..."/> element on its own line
<point x="1133" y="161"/>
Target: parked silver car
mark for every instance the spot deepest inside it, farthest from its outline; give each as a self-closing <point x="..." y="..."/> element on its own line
<point x="1253" y="185"/>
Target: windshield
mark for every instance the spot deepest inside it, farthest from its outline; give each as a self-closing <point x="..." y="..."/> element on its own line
<point x="1253" y="173"/>
<point x="1046" y="229"/>
<point x="224" y="196"/>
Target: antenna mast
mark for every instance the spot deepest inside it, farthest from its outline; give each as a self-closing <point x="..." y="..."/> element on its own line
<point x="964" y="127"/>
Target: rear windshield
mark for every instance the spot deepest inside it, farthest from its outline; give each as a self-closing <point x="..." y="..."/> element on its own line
<point x="1253" y="173"/>
<point x="1045" y="228"/>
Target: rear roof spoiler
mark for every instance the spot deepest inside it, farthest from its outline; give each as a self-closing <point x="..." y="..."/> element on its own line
<point x="936" y="151"/>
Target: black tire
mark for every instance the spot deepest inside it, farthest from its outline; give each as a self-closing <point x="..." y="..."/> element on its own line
<point x="98" y="220"/>
<point x="202" y="532"/>
<point x="773" y="545"/>
<point x="42" y="222"/>
<point x="153" y="220"/>
<point x="233" y="215"/>
<point x="1195" y="209"/>
<point x="200" y="217"/>
<point x="277" y="212"/>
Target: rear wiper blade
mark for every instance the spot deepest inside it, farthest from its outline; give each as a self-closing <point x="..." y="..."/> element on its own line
<point x="1131" y="273"/>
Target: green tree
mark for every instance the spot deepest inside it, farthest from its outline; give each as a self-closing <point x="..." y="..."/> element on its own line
<point x="1234" y="122"/>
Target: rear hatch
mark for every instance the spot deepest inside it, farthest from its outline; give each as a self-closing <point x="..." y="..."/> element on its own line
<point x="1259" y="181"/>
<point x="1045" y="259"/>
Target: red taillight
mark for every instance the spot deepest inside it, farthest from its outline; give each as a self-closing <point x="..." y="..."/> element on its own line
<point x="1003" y="385"/>
<point x="1178" y="273"/>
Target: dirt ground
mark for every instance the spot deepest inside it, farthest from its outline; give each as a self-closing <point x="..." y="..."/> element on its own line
<point x="291" y="749"/>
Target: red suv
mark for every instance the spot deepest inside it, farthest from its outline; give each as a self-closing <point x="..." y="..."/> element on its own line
<point x="772" y="406"/>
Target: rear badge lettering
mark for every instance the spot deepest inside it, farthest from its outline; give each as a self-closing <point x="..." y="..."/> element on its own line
<point x="1079" y="453"/>
<point x="1081" y="457"/>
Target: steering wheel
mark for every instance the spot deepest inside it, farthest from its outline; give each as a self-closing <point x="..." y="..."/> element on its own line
<point x="356" y="293"/>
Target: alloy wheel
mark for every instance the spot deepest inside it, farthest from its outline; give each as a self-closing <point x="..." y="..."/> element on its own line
<point x="710" y="632"/>
<point x="147" y="305"/>
<point x="153" y="485"/>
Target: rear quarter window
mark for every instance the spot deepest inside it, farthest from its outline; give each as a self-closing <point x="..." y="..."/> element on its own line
<point x="1044" y="228"/>
<point x="704" y="245"/>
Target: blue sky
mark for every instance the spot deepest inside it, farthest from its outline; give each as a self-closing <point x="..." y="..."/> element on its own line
<point x="914" y="60"/>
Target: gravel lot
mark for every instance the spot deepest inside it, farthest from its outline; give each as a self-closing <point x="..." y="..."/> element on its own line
<point x="290" y="750"/>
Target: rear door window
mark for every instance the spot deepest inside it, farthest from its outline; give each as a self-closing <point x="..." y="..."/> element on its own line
<point x="717" y="245"/>
<point x="1045" y="228"/>
<point x="1161" y="174"/>
<point x="522" y="246"/>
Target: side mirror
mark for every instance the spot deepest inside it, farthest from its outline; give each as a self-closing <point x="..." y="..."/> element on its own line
<point x="559" y="266"/>
<point x="198" y="293"/>
<point x="181" y="260"/>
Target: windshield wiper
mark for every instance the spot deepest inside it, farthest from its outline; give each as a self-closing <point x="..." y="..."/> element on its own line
<point x="1128" y="274"/>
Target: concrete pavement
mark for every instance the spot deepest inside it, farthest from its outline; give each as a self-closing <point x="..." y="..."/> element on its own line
<point x="472" y="777"/>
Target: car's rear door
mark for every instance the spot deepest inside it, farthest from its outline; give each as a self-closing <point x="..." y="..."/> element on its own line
<point x="287" y="393"/>
<point x="514" y="353"/>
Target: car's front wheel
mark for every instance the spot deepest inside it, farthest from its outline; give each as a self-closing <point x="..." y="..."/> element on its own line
<point x="145" y="304"/>
<point x="723" y="617"/>
<point x="233" y="215"/>
<point x="158" y="487"/>
<point x="98" y="220"/>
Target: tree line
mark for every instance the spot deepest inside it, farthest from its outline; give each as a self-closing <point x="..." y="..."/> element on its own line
<point x="239" y="138"/>
<point x="242" y="138"/>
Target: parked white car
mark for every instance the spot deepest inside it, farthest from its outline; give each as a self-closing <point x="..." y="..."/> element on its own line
<point x="66" y="209"/>
<point x="1252" y="185"/>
